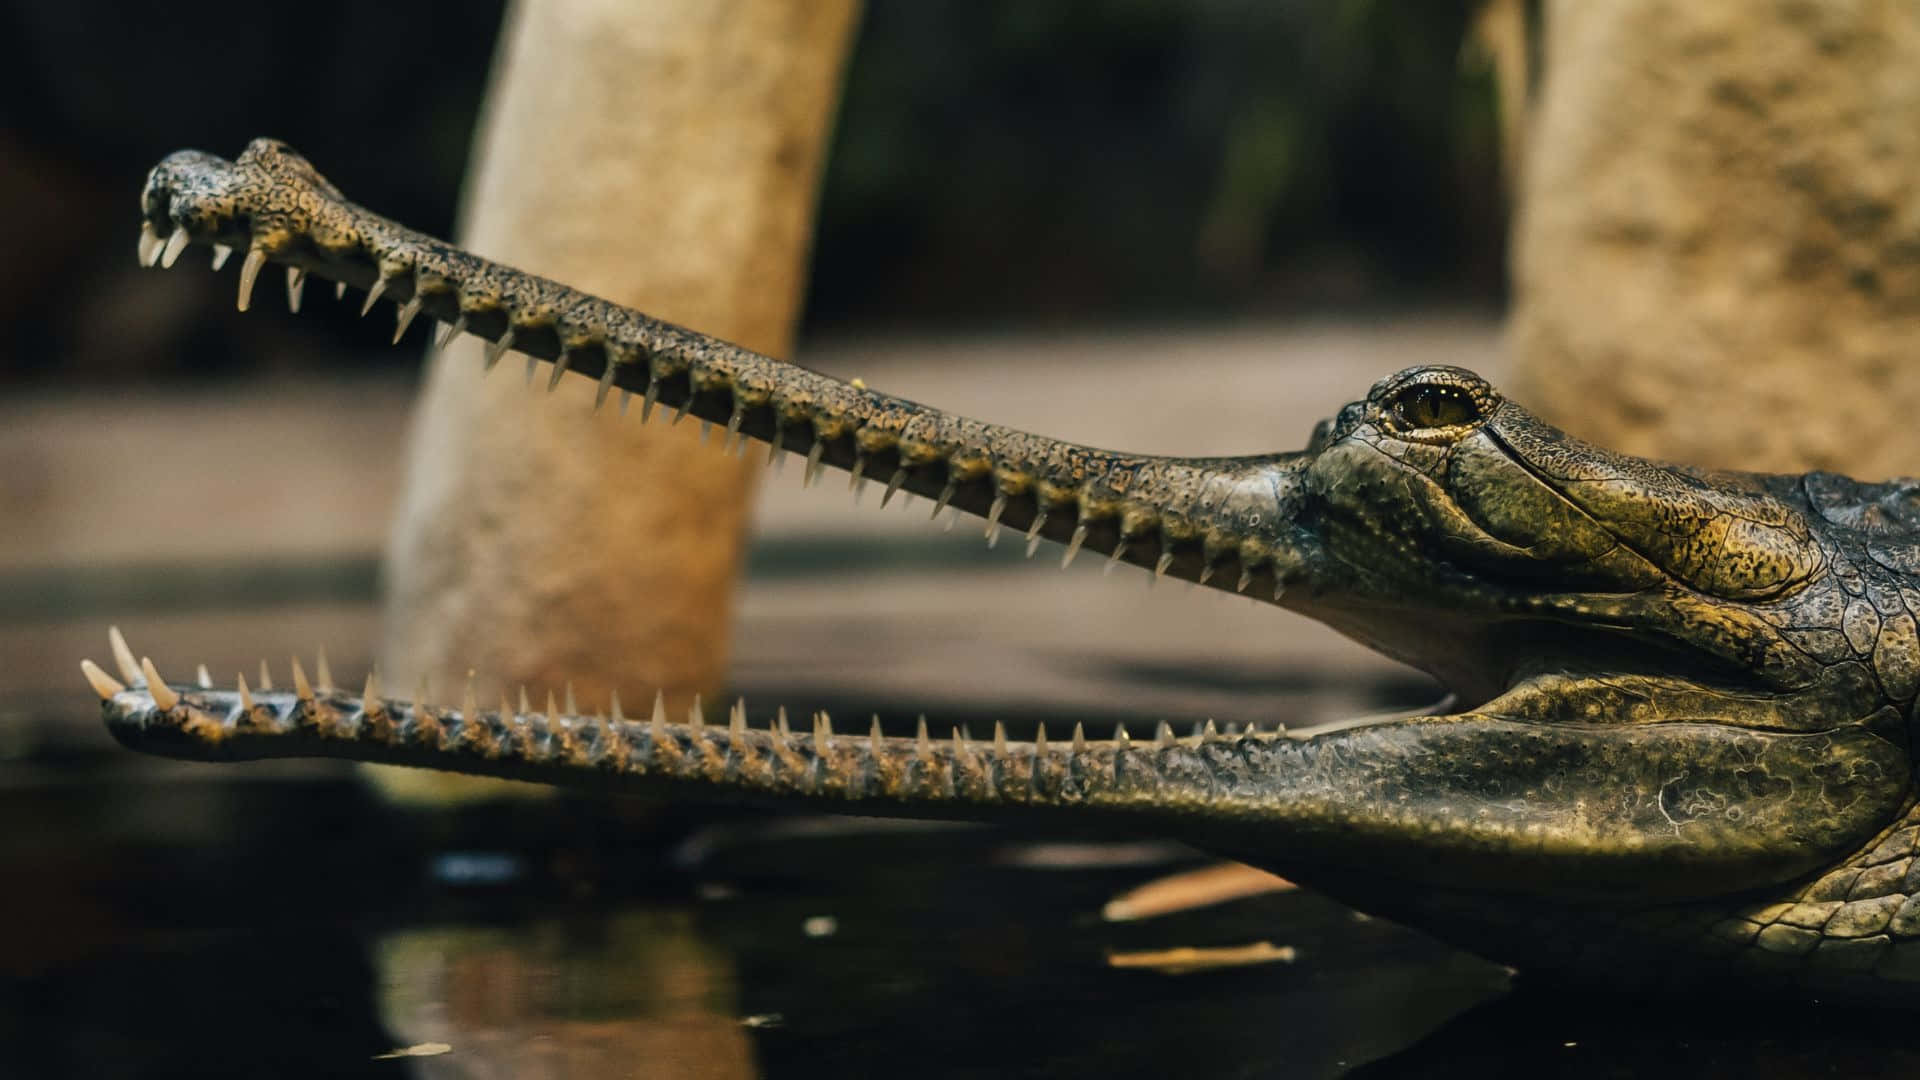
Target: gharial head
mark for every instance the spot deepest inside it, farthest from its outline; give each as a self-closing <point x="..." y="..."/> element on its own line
<point x="1446" y="525"/>
<point x="1668" y="684"/>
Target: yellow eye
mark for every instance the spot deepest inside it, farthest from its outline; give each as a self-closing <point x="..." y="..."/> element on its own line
<point x="1434" y="406"/>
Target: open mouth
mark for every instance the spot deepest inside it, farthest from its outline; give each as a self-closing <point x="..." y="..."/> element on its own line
<point x="1499" y="797"/>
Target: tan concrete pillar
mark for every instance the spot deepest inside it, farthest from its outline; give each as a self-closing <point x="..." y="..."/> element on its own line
<point x="664" y="154"/>
<point x="1717" y="248"/>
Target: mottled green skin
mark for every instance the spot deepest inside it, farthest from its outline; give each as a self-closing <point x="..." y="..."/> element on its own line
<point x="1682" y="744"/>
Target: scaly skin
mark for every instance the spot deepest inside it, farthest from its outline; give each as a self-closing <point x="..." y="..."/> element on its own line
<point x="1682" y="750"/>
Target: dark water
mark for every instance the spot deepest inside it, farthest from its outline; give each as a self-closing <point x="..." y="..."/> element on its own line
<point x="167" y="920"/>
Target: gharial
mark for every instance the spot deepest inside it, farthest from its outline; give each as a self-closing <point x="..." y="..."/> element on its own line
<point x="1679" y="746"/>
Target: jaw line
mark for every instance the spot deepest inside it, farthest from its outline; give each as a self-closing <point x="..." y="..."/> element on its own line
<point x="1441" y="707"/>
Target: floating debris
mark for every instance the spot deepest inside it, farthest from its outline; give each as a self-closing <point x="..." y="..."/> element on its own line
<point x="1187" y="959"/>
<point x="1192" y="889"/>
<point x="428" y="1049"/>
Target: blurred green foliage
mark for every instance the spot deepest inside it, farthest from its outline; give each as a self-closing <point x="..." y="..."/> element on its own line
<point x="1020" y="161"/>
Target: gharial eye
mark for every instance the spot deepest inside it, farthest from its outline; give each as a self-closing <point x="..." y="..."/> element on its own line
<point x="1434" y="405"/>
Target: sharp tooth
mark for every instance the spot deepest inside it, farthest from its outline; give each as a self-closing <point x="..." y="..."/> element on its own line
<point x="780" y="722"/>
<point x="606" y="384"/>
<point x="1079" y="737"/>
<point x="150" y="244"/>
<point x="221" y="253"/>
<point x="696" y="716"/>
<point x="497" y="348"/>
<point x="922" y="742"/>
<point x="1033" y="532"/>
<point x="560" y="367"/>
<point x="680" y="412"/>
<point x="202" y="677"/>
<point x="613" y="704"/>
<point x="659" y="721"/>
<point x="1163" y="734"/>
<point x="1114" y="558"/>
<point x="626" y="398"/>
<point x="1040" y="740"/>
<point x="322" y="674"/>
<point x="573" y="706"/>
<point x="993" y="519"/>
<point x="296" y="284"/>
<point x="302" y="689"/>
<point x="163" y="697"/>
<point x="778" y="441"/>
<point x="379" y="286"/>
<point x="1279" y="589"/>
<point x="893" y="486"/>
<point x="103" y="684"/>
<point x="1246" y="578"/>
<point x="266" y="676"/>
<point x="1120" y="734"/>
<point x="814" y="454"/>
<point x="532" y="363"/>
<point x="822" y="731"/>
<point x="452" y="330"/>
<point x="1206" y="571"/>
<point x="123" y="658"/>
<point x="553" y="707"/>
<point x="1073" y="546"/>
<point x="737" y="720"/>
<point x="946" y="496"/>
<point x="876" y="741"/>
<point x="526" y="707"/>
<point x="370" y="697"/>
<point x="405" y="318"/>
<point x="1000" y="738"/>
<point x="250" y="270"/>
<point x="176" y="244"/>
<point x="1160" y="566"/>
<point x="339" y="290"/>
<point x="650" y="398"/>
<point x="246" y="698"/>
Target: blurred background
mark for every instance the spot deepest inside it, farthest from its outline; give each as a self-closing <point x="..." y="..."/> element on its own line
<point x="1173" y="227"/>
<point x="995" y="166"/>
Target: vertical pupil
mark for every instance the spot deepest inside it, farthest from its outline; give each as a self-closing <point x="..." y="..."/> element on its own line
<point x="1435" y="406"/>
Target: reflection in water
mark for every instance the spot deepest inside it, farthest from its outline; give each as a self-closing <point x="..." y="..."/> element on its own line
<point x="164" y="921"/>
<point x="628" y="994"/>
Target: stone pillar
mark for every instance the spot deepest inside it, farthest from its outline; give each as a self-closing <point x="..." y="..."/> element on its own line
<point x="664" y="154"/>
<point x="1717" y="244"/>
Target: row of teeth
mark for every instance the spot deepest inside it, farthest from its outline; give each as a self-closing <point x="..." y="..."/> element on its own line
<point x="156" y="251"/>
<point x="142" y="675"/>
